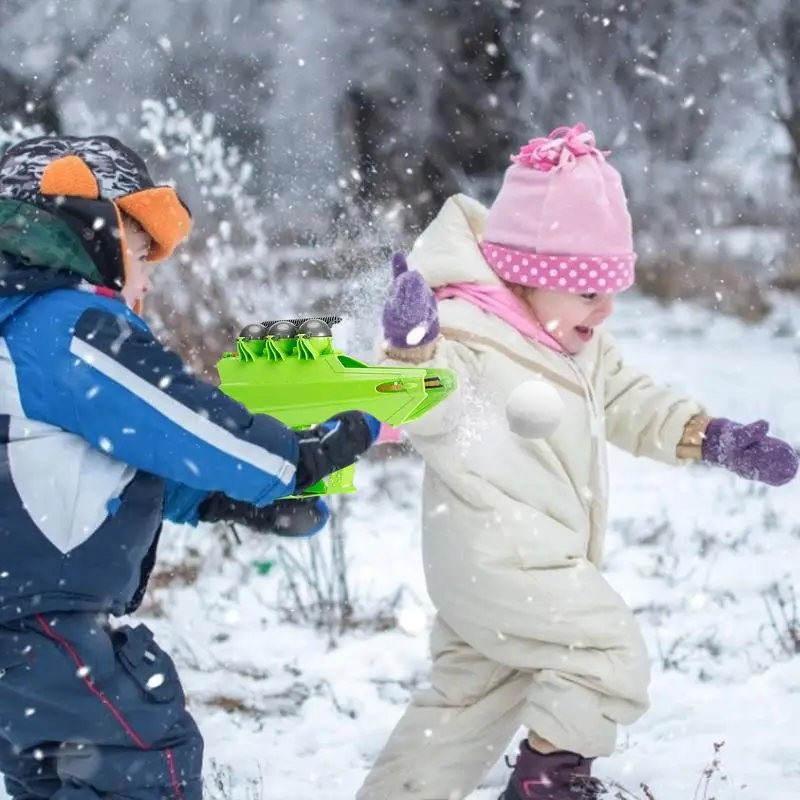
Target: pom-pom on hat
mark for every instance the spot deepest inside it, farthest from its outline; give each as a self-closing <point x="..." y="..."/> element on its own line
<point x="560" y="220"/>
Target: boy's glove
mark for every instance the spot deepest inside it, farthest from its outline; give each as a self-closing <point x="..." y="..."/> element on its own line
<point x="410" y="315"/>
<point x="747" y="451"/>
<point x="334" y="445"/>
<point x="296" y="517"/>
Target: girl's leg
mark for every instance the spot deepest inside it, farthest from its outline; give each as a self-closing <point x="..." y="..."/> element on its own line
<point x="453" y="732"/>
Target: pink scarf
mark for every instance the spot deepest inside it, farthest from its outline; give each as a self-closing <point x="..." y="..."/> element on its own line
<point x="503" y="303"/>
<point x="499" y="301"/>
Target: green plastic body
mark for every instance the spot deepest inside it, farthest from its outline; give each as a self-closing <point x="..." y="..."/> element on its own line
<point x="305" y="380"/>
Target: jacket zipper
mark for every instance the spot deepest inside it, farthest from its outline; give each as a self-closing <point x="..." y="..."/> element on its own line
<point x="596" y="430"/>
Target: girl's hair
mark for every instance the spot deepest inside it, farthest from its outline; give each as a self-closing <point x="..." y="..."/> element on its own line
<point x="520" y="291"/>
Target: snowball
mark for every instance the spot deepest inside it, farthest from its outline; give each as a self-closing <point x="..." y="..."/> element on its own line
<point x="154" y="681"/>
<point x="416" y="335"/>
<point x="534" y="410"/>
<point x="412" y="620"/>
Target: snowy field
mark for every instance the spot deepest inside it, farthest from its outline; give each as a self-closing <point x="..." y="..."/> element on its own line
<point x="704" y="558"/>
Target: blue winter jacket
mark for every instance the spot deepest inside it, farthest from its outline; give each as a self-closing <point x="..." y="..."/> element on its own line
<point x="104" y="435"/>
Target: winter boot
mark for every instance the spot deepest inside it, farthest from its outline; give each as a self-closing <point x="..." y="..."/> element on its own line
<point x="557" y="776"/>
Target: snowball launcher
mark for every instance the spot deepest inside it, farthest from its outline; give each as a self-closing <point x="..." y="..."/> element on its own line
<point x="290" y="369"/>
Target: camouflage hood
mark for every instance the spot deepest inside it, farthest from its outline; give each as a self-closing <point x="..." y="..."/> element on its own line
<point x="62" y="200"/>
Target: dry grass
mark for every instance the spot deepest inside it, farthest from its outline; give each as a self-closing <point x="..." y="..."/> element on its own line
<point x="781" y="634"/>
<point x="184" y="574"/>
<point x="317" y="587"/>
<point x="712" y="774"/>
<point x="720" y="286"/>
<point x="788" y="277"/>
<point x="231" y="705"/>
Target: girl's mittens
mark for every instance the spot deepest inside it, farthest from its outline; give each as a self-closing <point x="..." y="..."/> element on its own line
<point x="410" y="314"/>
<point x="747" y="451"/>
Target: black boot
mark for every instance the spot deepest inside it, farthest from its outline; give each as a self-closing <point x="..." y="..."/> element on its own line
<point x="556" y="776"/>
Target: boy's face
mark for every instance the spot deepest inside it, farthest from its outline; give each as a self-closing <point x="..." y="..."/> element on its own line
<point x="137" y="277"/>
<point x="570" y="318"/>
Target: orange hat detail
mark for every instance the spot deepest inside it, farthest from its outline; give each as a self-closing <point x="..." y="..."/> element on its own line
<point x="162" y="215"/>
<point x="69" y="176"/>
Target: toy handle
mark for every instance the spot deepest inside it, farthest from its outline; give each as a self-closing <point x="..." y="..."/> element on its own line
<point x="389" y="435"/>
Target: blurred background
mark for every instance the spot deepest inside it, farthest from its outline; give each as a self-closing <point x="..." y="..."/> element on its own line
<point x="312" y="138"/>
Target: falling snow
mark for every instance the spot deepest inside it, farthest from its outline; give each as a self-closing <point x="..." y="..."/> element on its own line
<point x="677" y="543"/>
<point x="309" y="140"/>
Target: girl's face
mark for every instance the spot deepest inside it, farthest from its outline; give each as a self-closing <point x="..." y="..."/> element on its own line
<point x="137" y="268"/>
<point x="569" y="318"/>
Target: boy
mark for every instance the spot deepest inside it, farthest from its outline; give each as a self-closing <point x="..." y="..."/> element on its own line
<point x="105" y="435"/>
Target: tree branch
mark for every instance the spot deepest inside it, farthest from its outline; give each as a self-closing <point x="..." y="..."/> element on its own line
<point x="68" y="66"/>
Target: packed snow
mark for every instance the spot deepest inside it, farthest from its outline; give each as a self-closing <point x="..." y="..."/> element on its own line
<point x="534" y="410"/>
<point x="706" y="560"/>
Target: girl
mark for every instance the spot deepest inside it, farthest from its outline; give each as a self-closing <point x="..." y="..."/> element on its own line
<point x="527" y="630"/>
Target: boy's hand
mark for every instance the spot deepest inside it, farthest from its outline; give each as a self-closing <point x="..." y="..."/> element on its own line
<point x="747" y="451"/>
<point x="410" y="315"/>
<point x="301" y="517"/>
<point x="334" y="445"/>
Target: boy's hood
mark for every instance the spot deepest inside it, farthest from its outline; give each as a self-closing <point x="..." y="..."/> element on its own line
<point x="35" y="237"/>
<point x="38" y="253"/>
<point x="448" y="250"/>
<point x="19" y="284"/>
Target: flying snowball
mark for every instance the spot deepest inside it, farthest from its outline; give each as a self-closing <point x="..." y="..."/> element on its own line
<point x="416" y="335"/>
<point x="412" y="620"/>
<point x="534" y="410"/>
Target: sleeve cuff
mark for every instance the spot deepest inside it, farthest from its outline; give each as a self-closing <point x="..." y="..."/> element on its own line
<point x="690" y="446"/>
<point x="412" y="355"/>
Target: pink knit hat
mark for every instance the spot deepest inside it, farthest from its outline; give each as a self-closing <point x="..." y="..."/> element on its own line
<point x="560" y="220"/>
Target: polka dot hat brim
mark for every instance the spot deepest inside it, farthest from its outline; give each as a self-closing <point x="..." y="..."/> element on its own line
<point x="577" y="274"/>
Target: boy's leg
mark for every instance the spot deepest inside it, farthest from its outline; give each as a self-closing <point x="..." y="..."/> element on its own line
<point x="113" y="704"/>
<point x="28" y="776"/>
<point x="452" y="733"/>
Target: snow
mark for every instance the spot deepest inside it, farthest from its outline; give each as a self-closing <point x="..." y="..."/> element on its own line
<point x="287" y="714"/>
<point x="693" y="550"/>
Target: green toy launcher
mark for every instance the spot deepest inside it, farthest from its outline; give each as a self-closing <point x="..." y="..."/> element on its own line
<point x="291" y="370"/>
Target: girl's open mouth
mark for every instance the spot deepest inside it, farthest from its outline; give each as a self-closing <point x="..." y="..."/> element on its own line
<point x="584" y="333"/>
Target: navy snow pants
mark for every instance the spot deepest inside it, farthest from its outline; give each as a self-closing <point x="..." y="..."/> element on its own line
<point x="86" y="712"/>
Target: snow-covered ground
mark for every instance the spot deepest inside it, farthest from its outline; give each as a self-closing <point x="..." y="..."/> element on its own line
<point x="701" y="555"/>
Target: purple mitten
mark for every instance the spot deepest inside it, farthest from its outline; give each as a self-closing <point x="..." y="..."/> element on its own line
<point x="747" y="451"/>
<point x="410" y="316"/>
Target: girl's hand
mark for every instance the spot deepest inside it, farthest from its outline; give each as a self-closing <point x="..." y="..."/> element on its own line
<point x="410" y="315"/>
<point x="747" y="451"/>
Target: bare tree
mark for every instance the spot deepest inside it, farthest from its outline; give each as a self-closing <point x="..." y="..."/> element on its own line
<point x="774" y="27"/>
<point x="27" y="101"/>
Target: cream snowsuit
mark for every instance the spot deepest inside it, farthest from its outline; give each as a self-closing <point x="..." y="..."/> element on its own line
<point x="528" y="632"/>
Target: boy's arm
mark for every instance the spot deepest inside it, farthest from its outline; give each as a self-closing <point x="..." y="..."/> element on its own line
<point x="182" y="503"/>
<point x="646" y="419"/>
<point x="296" y="517"/>
<point x="98" y="372"/>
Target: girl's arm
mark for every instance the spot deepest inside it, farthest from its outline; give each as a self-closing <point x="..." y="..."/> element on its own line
<point x="647" y="419"/>
<point x="441" y="353"/>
